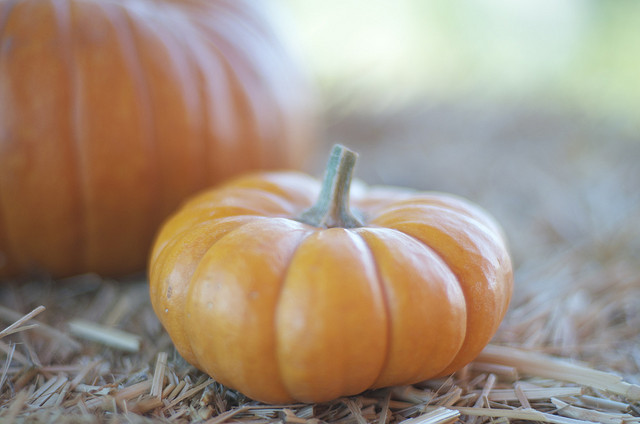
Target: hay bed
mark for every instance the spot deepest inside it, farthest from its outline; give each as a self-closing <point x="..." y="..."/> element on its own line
<point x="88" y="349"/>
<point x="83" y="369"/>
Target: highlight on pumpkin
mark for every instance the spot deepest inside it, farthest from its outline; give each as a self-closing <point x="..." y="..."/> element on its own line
<point x="262" y="284"/>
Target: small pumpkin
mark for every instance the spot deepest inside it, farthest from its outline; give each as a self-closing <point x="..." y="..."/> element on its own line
<point x="286" y="300"/>
<point x="113" y="112"/>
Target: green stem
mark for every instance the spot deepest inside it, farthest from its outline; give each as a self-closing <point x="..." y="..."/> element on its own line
<point x="332" y="207"/>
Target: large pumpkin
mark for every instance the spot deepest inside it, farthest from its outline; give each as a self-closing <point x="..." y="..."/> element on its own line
<point x="288" y="302"/>
<point x="112" y="111"/>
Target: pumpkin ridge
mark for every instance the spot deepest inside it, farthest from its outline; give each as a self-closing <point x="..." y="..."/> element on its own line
<point x="311" y="381"/>
<point x="457" y="279"/>
<point x="479" y="216"/>
<point x="195" y="224"/>
<point x="242" y="98"/>
<point x="171" y="243"/>
<point x="174" y="242"/>
<point x="275" y="312"/>
<point x="174" y="239"/>
<point x="223" y="377"/>
<point x="272" y="182"/>
<point x="131" y="51"/>
<point x="190" y="71"/>
<point x="202" y="202"/>
<point x="180" y="68"/>
<point x="119" y="17"/>
<point x="199" y="58"/>
<point x="425" y="244"/>
<point x="438" y="254"/>
<point x="385" y="297"/>
<point x="486" y="231"/>
<point x="277" y="206"/>
<point x="5" y="252"/>
<point x="374" y="231"/>
<point x="75" y="117"/>
<point x="267" y="121"/>
<point x="223" y="121"/>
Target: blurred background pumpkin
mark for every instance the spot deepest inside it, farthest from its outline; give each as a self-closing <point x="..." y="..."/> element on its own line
<point x="111" y="112"/>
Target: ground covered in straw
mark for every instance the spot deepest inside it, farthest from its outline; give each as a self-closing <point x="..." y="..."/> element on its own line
<point x="565" y="188"/>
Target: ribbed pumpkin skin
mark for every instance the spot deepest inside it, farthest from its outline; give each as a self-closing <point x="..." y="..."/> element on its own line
<point x="283" y="311"/>
<point x="113" y="111"/>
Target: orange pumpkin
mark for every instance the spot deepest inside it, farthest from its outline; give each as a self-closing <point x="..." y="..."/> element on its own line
<point x="285" y="301"/>
<point x="112" y="112"/>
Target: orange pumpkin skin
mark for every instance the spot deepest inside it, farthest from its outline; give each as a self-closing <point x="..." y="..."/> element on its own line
<point x="284" y="311"/>
<point x="112" y="112"/>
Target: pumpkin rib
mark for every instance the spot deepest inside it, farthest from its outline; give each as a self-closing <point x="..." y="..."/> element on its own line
<point x="449" y="202"/>
<point x="201" y="213"/>
<point x="466" y="289"/>
<point x="176" y="225"/>
<point x="196" y="221"/>
<point x="229" y="126"/>
<point x="79" y="153"/>
<point x="5" y="247"/>
<point x="205" y="62"/>
<point x="243" y="101"/>
<point x="201" y="205"/>
<point x="284" y="237"/>
<point x="196" y="106"/>
<point x="192" y="65"/>
<point x="136" y="66"/>
<point x="486" y="229"/>
<point x="242" y="95"/>
<point x="254" y="89"/>
<point x="370" y="234"/>
<point x="384" y="290"/>
<point x="326" y="352"/>
<point x="90" y="139"/>
<point x="287" y="99"/>
<point x="300" y="190"/>
<point x="131" y="57"/>
<point x="169" y="250"/>
<point x="268" y="202"/>
<point x="142" y="211"/>
<point x="187" y="71"/>
<point x="28" y="140"/>
<point x="177" y="237"/>
<point x="274" y="324"/>
<point x="93" y="137"/>
<point x="165" y="61"/>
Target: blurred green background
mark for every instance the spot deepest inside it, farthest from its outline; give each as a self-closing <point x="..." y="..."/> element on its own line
<point x="564" y="54"/>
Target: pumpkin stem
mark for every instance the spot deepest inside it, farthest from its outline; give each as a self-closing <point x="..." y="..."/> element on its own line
<point x="332" y="207"/>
